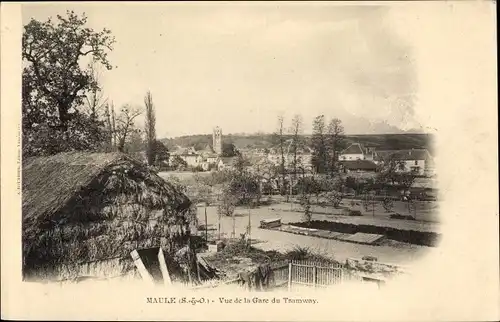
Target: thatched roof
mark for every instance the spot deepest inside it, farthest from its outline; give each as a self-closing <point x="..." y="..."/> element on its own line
<point x="51" y="183"/>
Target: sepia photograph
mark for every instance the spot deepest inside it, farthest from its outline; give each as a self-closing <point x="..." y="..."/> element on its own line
<point x="258" y="148"/>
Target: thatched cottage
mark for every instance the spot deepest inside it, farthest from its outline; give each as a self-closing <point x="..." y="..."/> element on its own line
<point x="83" y="214"/>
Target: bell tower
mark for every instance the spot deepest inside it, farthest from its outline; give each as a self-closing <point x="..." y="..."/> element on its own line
<point x="217" y="140"/>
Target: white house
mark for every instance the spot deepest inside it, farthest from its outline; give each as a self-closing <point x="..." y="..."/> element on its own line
<point x="192" y="159"/>
<point x="418" y="161"/>
<point x="225" y="163"/>
<point x="356" y="151"/>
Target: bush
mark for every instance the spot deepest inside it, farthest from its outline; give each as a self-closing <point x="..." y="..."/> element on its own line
<point x="399" y="216"/>
<point x="354" y="213"/>
<point x="388" y="204"/>
<point x="305" y="253"/>
<point x="334" y="197"/>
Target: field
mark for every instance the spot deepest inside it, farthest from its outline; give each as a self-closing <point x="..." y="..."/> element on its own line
<point x="426" y="211"/>
<point x="391" y="252"/>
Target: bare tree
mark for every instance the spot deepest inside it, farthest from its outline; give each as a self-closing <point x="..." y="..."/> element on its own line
<point x="113" y="127"/>
<point x="125" y="125"/>
<point x="280" y="134"/>
<point x="319" y="145"/>
<point x="335" y="143"/>
<point x="94" y="99"/>
<point x="296" y="131"/>
<point x="150" y="128"/>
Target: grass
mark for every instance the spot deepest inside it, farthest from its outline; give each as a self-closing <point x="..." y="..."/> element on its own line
<point x="240" y="249"/>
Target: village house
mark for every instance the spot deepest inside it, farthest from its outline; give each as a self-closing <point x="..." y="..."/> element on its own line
<point x="84" y="213"/>
<point x="356" y="151"/>
<point x="205" y="158"/>
<point x="192" y="159"/>
<point x="358" y="166"/>
<point x="418" y="161"/>
<point x="226" y="163"/>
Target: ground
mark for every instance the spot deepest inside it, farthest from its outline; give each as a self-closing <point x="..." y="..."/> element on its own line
<point x="426" y="210"/>
<point x="396" y="253"/>
<point x="389" y="252"/>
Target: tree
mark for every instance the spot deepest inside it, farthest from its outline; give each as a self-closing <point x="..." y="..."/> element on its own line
<point x="369" y="202"/>
<point x="334" y="198"/>
<point x="388" y="204"/>
<point x="296" y="144"/>
<point x="229" y="150"/>
<point x="135" y="143"/>
<point x="125" y="125"/>
<point x="178" y="162"/>
<point x="305" y="189"/>
<point x="150" y="129"/>
<point x="55" y="85"/>
<point x="226" y="207"/>
<point x="319" y="145"/>
<point x="354" y="184"/>
<point x="161" y="152"/>
<point x="240" y="164"/>
<point x="336" y="143"/>
<point x="202" y="194"/>
<point x="227" y="204"/>
<point x="244" y="187"/>
<point x="279" y="139"/>
<point x="94" y="99"/>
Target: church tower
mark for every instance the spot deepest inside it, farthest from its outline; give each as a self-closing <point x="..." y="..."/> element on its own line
<point x="217" y="140"/>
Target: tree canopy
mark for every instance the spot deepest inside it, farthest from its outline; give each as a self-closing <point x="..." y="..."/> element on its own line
<point x="59" y="58"/>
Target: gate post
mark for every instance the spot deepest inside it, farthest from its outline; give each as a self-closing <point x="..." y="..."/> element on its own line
<point x="289" y="276"/>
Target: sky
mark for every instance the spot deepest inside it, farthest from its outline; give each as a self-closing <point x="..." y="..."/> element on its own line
<point x="239" y="66"/>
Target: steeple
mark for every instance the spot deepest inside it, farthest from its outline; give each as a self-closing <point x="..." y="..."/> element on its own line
<point x="217" y="140"/>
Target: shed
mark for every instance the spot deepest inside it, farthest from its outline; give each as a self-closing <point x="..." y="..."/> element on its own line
<point x="83" y="214"/>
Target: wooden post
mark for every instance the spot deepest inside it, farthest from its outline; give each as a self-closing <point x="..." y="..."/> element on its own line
<point x="206" y="224"/>
<point x="315" y="268"/>
<point x="289" y="276"/>
<point x="249" y="227"/>
<point x="373" y="205"/>
<point x="218" y="216"/>
<point x="163" y="268"/>
<point x="141" y="268"/>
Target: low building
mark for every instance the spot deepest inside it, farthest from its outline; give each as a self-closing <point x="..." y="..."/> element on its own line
<point x="358" y="166"/>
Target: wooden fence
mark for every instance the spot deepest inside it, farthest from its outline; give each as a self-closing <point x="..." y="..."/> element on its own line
<point x="314" y="274"/>
<point x="293" y="274"/>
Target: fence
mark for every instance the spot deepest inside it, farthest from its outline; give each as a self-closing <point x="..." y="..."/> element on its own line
<point x="280" y="274"/>
<point x="293" y="274"/>
<point x="315" y="274"/>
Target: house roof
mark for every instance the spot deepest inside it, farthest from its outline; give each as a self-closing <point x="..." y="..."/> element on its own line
<point x="52" y="182"/>
<point x="354" y="148"/>
<point x="207" y="149"/>
<point x="409" y="154"/>
<point x="228" y="160"/>
<point x="359" y="165"/>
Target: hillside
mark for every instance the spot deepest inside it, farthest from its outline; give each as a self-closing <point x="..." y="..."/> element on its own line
<point x="379" y="141"/>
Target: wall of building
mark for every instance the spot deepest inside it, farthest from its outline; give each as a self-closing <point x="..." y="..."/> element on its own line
<point x="352" y="157"/>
